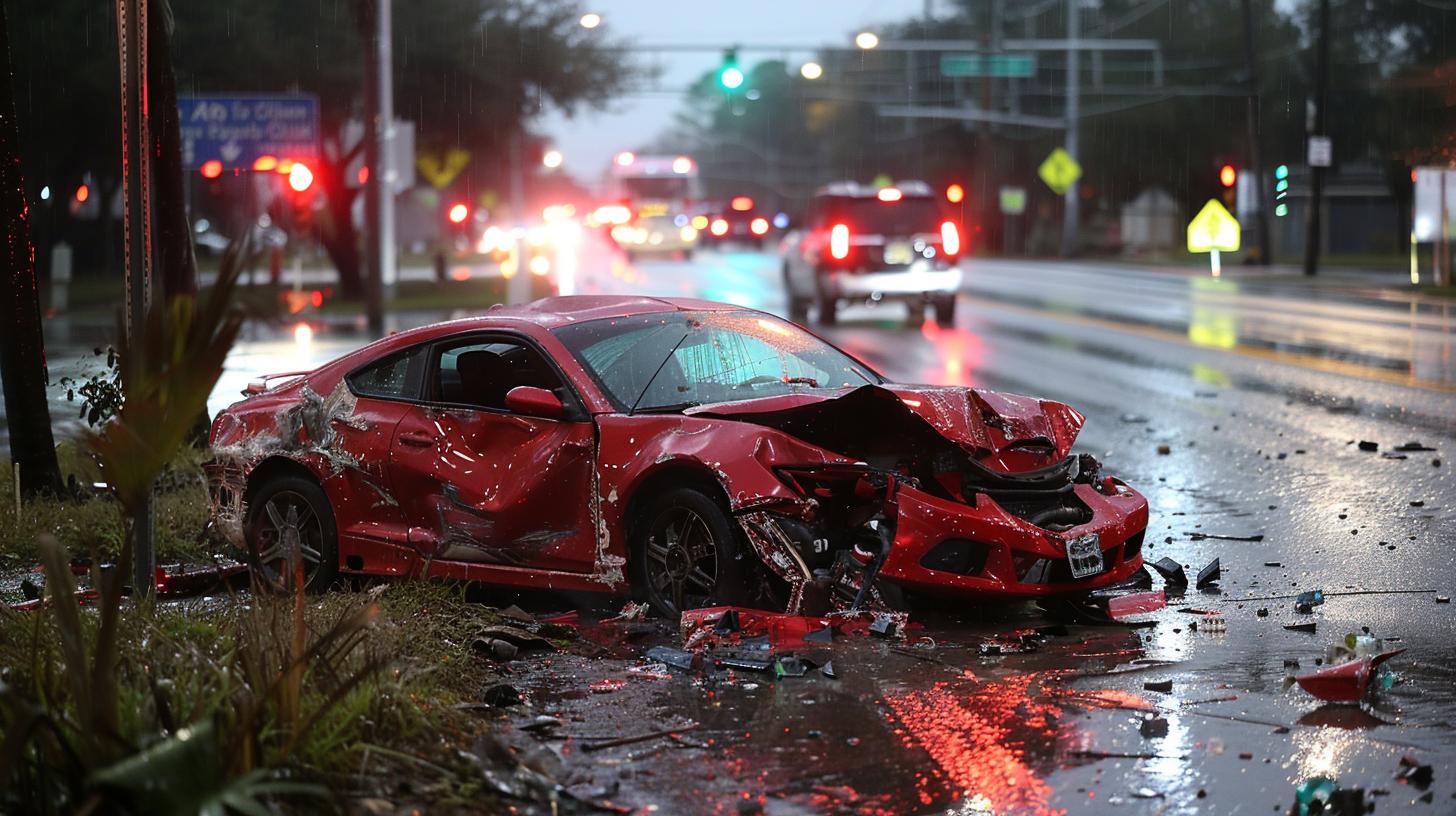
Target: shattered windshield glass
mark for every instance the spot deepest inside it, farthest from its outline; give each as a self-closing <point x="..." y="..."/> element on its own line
<point x="681" y="359"/>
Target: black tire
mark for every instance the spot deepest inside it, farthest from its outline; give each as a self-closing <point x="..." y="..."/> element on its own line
<point x="827" y="306"/>
<point x="688" y="554"/>
<point x="945" y="310"/>
<point x="798" y="307"/>
<point x="297" y="502"/>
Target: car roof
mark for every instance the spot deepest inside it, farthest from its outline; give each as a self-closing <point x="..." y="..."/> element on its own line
<point x="561" y="310"/>
<point x="852" y="189"/>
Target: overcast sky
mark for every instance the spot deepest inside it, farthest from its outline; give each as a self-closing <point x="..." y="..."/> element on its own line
<point x="591" y="139"/>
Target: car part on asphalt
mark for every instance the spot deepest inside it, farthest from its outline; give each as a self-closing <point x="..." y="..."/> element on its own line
<point x="1172" y="572"/>
<point x="1307" y="601"/>
<point x="1209" y="575"/>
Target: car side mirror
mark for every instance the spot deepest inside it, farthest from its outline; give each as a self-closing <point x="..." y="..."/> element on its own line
<point x="528" y="400"/>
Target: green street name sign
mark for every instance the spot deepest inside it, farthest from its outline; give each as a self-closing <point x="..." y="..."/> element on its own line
<point x="1019" y="66"/>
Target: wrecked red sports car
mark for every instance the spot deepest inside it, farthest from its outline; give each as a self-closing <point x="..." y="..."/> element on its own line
<point x="694" y="452"/>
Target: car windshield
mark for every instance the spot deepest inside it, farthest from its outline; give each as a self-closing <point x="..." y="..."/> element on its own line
<point x="906" y="216"/>
<point x="675" y="360"/>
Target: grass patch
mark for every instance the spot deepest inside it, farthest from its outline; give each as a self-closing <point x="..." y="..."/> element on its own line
<point x="94" y="521"/>
<point x="375" y="700"/>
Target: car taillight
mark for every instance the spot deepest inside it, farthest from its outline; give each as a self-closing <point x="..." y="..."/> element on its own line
<point x="758" y="226"/>
<point x="719" y="228"/>
<point x="950" y="238"/>
<point x="839" y="241"/>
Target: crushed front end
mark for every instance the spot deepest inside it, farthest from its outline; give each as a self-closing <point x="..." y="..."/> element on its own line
<point x="969" y="495"/>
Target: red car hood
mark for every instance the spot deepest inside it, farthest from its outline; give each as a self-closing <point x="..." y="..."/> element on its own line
<point x="1007" y="433"/>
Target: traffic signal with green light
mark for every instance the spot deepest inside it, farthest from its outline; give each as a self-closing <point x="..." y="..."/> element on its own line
<point x="1281" y="190"/>
<point x="730" y="76"/>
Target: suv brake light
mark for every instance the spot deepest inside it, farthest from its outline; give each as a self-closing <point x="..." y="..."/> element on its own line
<point x="950" y="238"/>
<point x="839" y="241"/>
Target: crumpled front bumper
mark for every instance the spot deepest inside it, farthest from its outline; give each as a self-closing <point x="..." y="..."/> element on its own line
<point x="948" y="549"/>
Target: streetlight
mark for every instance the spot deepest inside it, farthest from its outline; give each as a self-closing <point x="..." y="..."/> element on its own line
<point x="811" y="70"/>
<point x="866" y="40"/>
<point x="552" y="159"/>
<point x="591" y="20"/>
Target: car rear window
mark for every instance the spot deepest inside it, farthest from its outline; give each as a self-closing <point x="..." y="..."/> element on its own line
<point x="909" y="215"/>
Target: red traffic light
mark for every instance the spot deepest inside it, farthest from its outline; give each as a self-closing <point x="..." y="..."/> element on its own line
<point x="955" y="194"/>
<point x="458" y="213"/>
<point x="1227" y="175"/>
<point x="211" y="169"/>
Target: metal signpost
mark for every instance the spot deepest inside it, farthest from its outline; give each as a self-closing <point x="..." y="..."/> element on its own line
<point x="136" y="195"/>
<point x="1214" y="230"/>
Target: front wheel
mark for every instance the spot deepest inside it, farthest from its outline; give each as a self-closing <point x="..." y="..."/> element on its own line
<point x="291" y="535"/>
<point x="687" y="554"/>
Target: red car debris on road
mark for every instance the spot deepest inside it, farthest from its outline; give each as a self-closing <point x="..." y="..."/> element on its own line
<point x="693" y="452"/>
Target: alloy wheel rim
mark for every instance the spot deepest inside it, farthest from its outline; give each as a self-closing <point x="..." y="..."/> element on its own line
<point x="682" y="559"/>
<point x="289" y="532"/>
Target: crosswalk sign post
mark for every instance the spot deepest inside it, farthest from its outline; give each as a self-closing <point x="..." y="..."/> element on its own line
<point x="1214" y="230"/>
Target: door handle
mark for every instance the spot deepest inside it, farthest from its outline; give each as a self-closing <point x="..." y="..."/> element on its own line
<point x="416" y="439"/>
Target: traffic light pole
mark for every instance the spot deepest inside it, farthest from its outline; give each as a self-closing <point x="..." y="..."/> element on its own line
<point x="1317" y="174"/>
<point x="379" y="186"/>
<point x="1070" y="214"/>
<point x="1256" y="155"/>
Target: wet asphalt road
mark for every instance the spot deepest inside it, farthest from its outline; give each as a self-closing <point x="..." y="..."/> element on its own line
<point x="1259" y="390"/>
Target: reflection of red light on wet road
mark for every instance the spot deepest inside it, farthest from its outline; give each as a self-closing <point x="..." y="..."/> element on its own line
<point x="972" y="741"/>
<point x="958" y="351"/>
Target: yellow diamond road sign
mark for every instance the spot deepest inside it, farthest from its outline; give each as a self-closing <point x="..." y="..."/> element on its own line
<point x="1060" y="171"/>
<point x="1214" y="228"/>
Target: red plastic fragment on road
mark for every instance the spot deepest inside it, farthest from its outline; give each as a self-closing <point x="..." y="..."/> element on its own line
<point x="1136" y="603"/>
<point x="699" y="627"/>
<point x="607" y="685"/>
<point x="182" y="581"/>
<point x="1345" y="682"/>
<point x="84" y="597"/>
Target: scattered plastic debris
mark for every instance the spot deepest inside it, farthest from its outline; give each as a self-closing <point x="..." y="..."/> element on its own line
<point x="1163" y="686"/>
<point x="1300" y="627"/>
<point x="607" y="685"/>
<point x="1214" y="623"/>
<point x="1414" y="773"/>
<point x="1153" y="727"/>
<point x="1171" y="570"/>
<point x="1307" y="601"/>
<point x="1210" y="574"/>
<point x="1123" y="607"/>
<point x="1414" y="447"/>
<point x="1351" y="666"/>
<point x="1366" y="445"/>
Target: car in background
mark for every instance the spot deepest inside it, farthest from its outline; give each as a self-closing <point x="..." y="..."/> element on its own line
<point x="660" y="234"/>
<point x="865" y="243"/>
<point x="694" y="453"/>
<point x="741" y="222"/>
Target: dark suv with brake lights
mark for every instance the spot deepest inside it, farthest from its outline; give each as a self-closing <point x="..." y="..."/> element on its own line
<point x="863" y="243"/>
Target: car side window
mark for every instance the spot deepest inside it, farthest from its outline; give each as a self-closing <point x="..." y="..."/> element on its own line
<point x="480" y="372"/>
<point x="394" y="377"/>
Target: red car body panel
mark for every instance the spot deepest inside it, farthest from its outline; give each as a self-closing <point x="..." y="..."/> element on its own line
<point x="421" y="489"/>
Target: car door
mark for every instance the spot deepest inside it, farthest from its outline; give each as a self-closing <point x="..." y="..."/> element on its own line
<point x="479" y="483"/>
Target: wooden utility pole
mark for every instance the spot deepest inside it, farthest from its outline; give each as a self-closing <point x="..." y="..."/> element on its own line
<point x="1317" y="173"/>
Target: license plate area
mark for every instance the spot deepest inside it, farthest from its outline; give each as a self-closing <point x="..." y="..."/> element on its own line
<point x="1084" y="555"/>
<point x="899" y="253"/>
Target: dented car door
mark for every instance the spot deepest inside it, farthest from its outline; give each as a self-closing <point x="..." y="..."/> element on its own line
<point x="482" y="484"/>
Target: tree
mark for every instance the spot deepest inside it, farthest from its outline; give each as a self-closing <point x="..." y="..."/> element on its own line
<point x="469" y="73"/>
<point x="22" y="350"/>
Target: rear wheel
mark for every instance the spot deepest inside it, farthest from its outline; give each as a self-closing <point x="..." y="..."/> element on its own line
<point x="827" y="306"/>
<point x="291" y="535"/>
<point x="945" y="309"/>
<point x="688" y="554"/>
